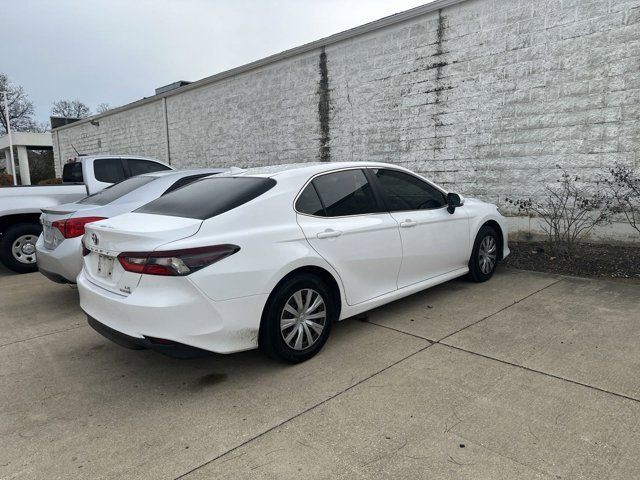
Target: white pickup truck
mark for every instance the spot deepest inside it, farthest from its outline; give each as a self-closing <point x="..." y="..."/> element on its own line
<point x="20" y="207"/>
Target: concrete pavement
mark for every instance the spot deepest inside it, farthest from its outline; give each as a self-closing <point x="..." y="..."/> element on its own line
<point x="526" y="376"/>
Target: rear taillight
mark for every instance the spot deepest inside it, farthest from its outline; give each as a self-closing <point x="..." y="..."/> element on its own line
<point x="175" y="262"/>
<point x="74" y="227"/>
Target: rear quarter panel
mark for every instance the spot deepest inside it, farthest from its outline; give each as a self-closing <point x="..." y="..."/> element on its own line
<point x="271" y="246"/>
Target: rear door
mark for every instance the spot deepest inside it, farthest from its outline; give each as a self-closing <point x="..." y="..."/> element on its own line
<point x="434" y="241"/>
<point x="343" y="221"/>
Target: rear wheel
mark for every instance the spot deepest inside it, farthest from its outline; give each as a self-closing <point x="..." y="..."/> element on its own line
<point x="18" y="247"/>
<point x="298" y="318"/>
<point x="484" y="256"/>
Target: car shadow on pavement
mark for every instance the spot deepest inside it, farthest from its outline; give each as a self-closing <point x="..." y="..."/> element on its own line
<point x="147" y="369"/>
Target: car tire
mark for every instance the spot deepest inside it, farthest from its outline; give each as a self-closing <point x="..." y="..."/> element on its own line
<point x="17" y="247"/>
<point x="297" y="308"/>
<point x="484" y="256"/>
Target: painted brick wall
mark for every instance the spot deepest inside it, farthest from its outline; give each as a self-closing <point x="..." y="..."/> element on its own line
<point x="485" y="97"/>
<point x="138" y="131"/>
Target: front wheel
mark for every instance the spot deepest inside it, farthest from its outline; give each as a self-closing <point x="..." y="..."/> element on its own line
<point x="18" y="247"/>
<point x="298" y="318"/>
<point x="484" y="256"/>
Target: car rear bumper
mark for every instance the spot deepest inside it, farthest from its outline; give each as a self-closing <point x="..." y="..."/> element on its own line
<point x="63" y="264"/>
<point x="171" y="349"/>
<point x="173" y="309"/>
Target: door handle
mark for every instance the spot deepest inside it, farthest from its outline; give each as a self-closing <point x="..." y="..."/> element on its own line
<point x="329" y="233"/>
<point x="408" y="223"/>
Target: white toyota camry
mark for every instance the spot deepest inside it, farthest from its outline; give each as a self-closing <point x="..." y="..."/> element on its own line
<point x="271" y="257"/>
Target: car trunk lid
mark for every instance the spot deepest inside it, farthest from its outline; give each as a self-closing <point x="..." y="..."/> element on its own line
<point x="52" y="236"/>
<point x="131" y="232"/>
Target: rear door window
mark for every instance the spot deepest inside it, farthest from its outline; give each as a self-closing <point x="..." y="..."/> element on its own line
<point x="347" y="192"/>
<point x="116" y="191"/>
<point x="139" y="167"/>
<point x="109" y="170"/>
<point x="209" y="197"/>
<point x="309" y="203"/>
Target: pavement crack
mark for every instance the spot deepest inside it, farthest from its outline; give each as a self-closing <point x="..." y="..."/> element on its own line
<point x="467" y="326"/>
<point x="307" y="410"/>
<point x="499" y="311"/>
<point x="42" y="335"/>
<point x="528" y="369"/>
<point x="402" y="331"/>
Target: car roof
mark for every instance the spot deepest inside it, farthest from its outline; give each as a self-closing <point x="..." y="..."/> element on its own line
<point x="293" y="170"/>
<point x="184" y="173"/>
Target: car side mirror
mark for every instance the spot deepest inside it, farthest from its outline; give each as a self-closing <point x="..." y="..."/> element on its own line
<point x="453" y="201"/>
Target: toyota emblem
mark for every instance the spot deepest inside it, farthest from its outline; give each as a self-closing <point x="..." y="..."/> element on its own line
<point x="94" y="239"/>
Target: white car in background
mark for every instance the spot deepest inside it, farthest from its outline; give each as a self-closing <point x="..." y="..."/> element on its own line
<point x="271" y="257"/>
<point x="59" y="248"/>
<point x="20" y="207"/>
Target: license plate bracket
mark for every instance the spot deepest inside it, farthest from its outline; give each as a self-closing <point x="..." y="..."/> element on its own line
<point x="105" y="266"/>
<point x="47" y="233"/>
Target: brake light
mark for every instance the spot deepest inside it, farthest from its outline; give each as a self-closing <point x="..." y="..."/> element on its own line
<point x="74" y="227"/>
<point x="175" y="262"/>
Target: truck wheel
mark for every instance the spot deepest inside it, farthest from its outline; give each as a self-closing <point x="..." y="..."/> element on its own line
<point x="18" y="247"/>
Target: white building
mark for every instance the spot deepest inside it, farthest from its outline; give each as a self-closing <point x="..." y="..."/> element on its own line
<point x="22" y="142"/>
<point x="483" y="96"/>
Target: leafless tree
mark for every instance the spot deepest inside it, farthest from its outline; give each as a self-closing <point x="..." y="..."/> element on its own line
<point x="70" y="109"/>
<point x="20" y="108"/>
<point x="103" y="107"/>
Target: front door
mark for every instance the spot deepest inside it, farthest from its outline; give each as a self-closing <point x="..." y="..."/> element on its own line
<point x="434" y="241"/>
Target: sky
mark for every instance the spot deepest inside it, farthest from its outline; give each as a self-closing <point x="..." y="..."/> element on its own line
<point x="118" y="51"/>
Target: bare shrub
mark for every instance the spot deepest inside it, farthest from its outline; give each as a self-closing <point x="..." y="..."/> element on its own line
<point x="569" y="210"/>
<point x="624" y="188"/>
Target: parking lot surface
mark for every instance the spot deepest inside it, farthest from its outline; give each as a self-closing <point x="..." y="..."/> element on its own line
<point x="526" y="376"/>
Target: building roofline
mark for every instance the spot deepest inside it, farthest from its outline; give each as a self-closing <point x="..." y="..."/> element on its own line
<point x="307" y="47"/>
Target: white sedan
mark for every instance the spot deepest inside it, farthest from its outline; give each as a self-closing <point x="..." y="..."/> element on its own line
<point x="58" y="250"/>
<point x="271" y="257"/>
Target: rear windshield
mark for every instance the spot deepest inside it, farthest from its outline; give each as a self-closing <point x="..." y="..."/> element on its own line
<point x="209" y="197"/>
<point x="72" y="173"/>
<point x="117" y="190"/>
